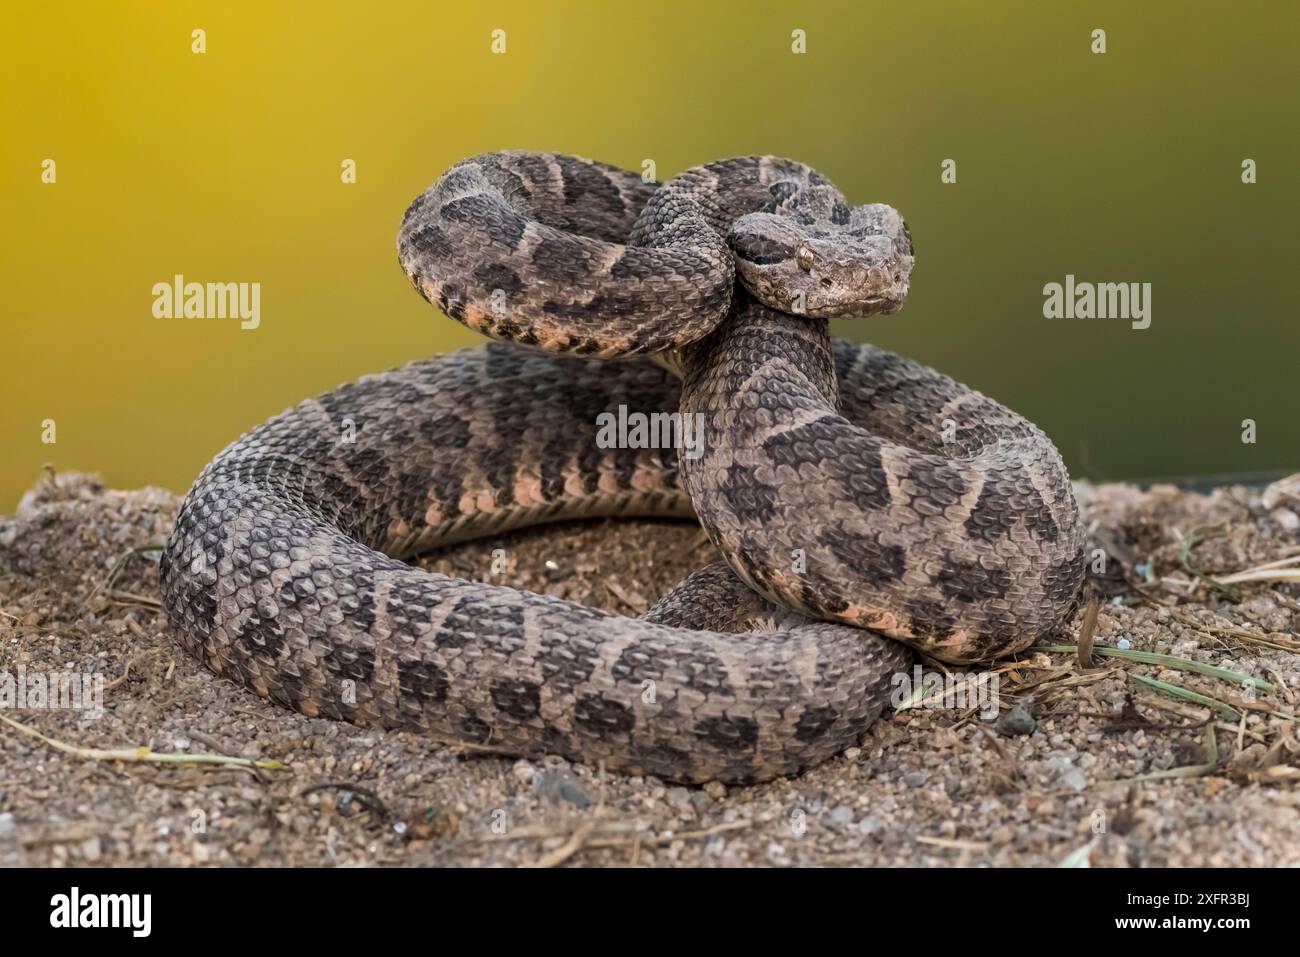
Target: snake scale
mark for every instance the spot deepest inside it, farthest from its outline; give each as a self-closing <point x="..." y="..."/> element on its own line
<point x="863" y="503"/>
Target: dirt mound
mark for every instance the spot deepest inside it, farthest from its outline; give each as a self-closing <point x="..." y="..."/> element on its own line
<point x="1132" y="761"/>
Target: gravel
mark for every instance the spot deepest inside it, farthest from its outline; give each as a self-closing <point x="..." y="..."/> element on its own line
<point x="1055" y="774"/>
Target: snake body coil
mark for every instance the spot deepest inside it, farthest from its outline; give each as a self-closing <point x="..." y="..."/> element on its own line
<point x="846" y="487"/>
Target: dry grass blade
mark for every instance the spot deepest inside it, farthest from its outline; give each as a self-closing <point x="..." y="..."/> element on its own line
<point x="1280" y="642"/>
<point x="130" y="598"/>
<point x="1176" y="691"/>
<point x="116" y="569"/>
<point x="143" y="753"/>
<point x="1277" y="774"/>
<point x="570" y="847"/>
<point x="953" y="843"/>
<point x="635" y="602"/>
<point x="1086" y="630"/>
<point x="1279" y="575"/>
<point x="1169" y="661"/>
<point x="1191" y="770"/>
<point x="1278" y="571"/>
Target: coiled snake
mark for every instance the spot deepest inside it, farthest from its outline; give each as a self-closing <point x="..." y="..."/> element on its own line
<point x="863" y="502"/>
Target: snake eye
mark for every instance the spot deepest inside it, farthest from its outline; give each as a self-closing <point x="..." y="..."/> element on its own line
<point x="804" y="257"/>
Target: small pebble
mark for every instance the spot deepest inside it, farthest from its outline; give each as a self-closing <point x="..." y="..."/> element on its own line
<point x="560" y="786"/>
<point x="1017" y="721"/>
<point x="1286" y="519"/>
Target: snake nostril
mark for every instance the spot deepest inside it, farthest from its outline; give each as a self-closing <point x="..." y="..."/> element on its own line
<point x="827" y="281"/>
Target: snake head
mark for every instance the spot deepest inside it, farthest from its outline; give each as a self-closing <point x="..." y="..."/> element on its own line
<point x="853" y="268"/>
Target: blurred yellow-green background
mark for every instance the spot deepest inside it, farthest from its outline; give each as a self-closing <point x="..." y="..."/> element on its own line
<point x="225" y="166"/>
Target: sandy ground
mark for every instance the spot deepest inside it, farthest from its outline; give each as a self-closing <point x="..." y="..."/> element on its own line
<point x="1082" y="765"/>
